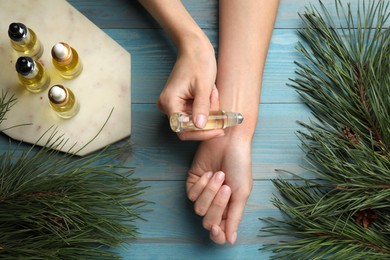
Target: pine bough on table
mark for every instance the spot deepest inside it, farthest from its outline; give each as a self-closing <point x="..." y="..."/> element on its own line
<point x="345" y="81"/>
<point x="59" y="206"/>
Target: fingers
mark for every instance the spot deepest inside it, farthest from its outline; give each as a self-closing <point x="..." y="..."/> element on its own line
<point x="204" y="201"/>
<point x="169" y="102"/>
<point x="209" y="134"/>
<point x="214" y="99"/>
<point x="215" y="212"/>
<point x="201" y="105"/>
<point x="234" y="216"/>
<point x="195" y="189"/>
<point x="213" y="219"/>
<point x="201" y="135"/>
<point x="222" y="211"/>
<point x="217" y="234"/>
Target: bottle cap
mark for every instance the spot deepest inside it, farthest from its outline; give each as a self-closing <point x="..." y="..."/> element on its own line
<point x="61" y="51"/>
<point x="25" y="65"/>
<point x="17" y="31"/>
<point x="58" y="94"/>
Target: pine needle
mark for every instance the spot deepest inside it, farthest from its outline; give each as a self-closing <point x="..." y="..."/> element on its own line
<point x="345" y="81"/>
<point x="59" y="206"/>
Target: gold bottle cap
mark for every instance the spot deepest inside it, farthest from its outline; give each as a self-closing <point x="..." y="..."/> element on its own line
<point x="61" y="52"/>
<point x="58" y="94"/>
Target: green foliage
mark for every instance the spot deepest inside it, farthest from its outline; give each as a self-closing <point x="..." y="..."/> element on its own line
<point x="58" y="206"/>
<point x="345" y="81"/>
<point x="6" y="102"/>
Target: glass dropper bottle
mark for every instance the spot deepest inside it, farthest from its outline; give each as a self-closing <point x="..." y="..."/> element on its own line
<point x="63" y="101"/>
<point x="25" y="41"/>
<point x="181" y="122"/>
<point x="32" y="74"/>
<point x="66" y="60"/>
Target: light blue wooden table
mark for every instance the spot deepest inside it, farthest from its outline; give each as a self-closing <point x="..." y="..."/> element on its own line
<point x="172" y="230"/>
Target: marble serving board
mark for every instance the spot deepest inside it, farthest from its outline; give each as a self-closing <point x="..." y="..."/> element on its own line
<point x="103" y="88"/>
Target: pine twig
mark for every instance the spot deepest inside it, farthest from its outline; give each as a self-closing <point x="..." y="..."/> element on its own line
<point x="59" y="206"/>
<point x="345" y="81"/>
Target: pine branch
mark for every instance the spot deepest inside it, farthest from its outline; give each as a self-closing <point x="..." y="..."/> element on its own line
<point x="60" y="206"/>
<point x="342" y="73"/>
<point x="345" y="81"/>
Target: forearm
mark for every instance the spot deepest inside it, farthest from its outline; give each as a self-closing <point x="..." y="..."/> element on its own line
<point x="245" y="31"/>
<point x="177" y="22"/>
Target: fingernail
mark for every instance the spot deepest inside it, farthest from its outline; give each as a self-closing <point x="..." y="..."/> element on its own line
<point x="201" y="121"/>
<point x="220" y="176"/>
<point x="225" y="190"/>
<point x="209" y="175"/>
<point x="234" y="238"/>
<point x="214" y="231"/>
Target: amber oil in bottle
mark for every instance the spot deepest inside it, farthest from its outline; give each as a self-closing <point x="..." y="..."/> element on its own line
<point x="63" y="101"/>
<point x="181" y="122"/>
<point x="32" y="74"/>
<point x="66" y="60"/>
<point x="25" y="41"/>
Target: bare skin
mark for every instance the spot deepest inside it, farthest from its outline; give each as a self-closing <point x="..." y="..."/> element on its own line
<point x="220" y="179"/>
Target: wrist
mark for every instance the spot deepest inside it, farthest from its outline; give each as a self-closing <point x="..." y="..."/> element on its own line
<point x="241" y="93"/>
<point x="248" y="107"/>
<point x="239" y="134"/>
<point x="244" y="131"/>
<point x="195" y="43"/>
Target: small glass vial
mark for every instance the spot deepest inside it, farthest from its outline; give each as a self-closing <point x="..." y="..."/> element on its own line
<point x="32" y="75"/>
<point x="63" y="101"/>
<point x="181" y="122"/>
<point x="25" y="41"/>
<point x="66" y="60"/>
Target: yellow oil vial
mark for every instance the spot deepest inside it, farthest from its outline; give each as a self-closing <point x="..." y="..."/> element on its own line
<point x="25" y="41"/>
<point x="32" y="74"/>
<point x="181" y="122"/>
<point x="66" y="60"/>
<point x="63" y="101"/>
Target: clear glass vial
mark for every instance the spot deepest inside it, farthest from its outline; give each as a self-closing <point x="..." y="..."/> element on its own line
<point x="66" y="60"/>
<point x="25" y="41"/>
<point x="32" y="75"/>
<point x="181" y="122"/>
<point x="63" y="101"/>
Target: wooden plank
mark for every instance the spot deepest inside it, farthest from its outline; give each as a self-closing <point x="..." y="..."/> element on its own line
<point x="130" y="14"/>
<point x="173" y="231"/>
<point x="163" y="251"/>
<point x="153" y="58"/>
<point x="158" y="154"/>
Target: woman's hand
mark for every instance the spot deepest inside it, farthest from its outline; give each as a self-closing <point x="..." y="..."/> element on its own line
<point x="220" y="182"/>
<point x="192" y="80"/>
<point x="191" y="87"/>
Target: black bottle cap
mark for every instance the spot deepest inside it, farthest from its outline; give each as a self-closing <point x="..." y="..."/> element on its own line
<point x="24" y="65"/>
<point x="17" y="31"/>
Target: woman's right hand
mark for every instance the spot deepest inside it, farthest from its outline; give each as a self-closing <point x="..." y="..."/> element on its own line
<point x="191" y="87"/>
